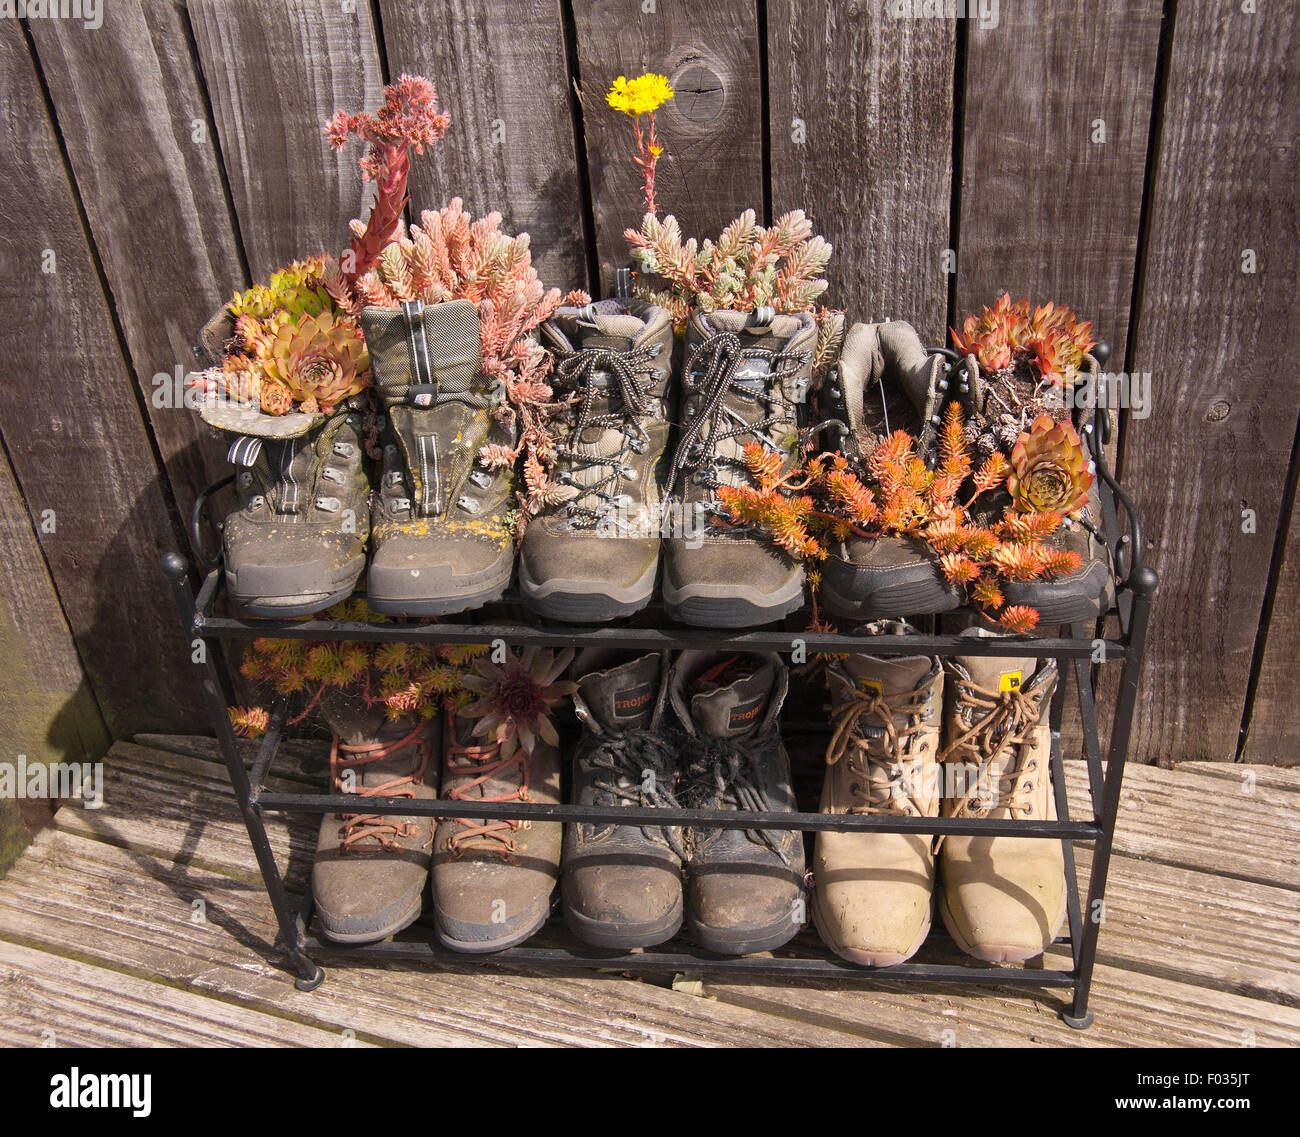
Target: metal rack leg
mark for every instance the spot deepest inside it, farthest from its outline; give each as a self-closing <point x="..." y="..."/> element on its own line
<point x="1144" y="586"/>
<point x="310" y="974"/>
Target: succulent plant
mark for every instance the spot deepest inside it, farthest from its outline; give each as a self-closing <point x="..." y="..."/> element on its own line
<point x="293" y="291"/>
<point x="1050" y="339"/>
<point x="1049" y="471"/>
<point x="515" y="698"/>
<point x="314" y="361"/>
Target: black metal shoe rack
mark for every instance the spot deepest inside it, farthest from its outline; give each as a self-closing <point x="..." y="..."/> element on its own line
<point x="1134" y="593"/>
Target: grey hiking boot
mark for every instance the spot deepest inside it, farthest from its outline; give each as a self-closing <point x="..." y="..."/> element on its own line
<point x="442" y="533"/>
<point x="596" y="556"/>
<point x="746" y="374"/>
<point x="744" y="886"/>
<point x="493" y="879"/>
<point x="296" y="543"/>
<point x="622" y="884"/>
<point x="872" y="900"/>
<point x="1001" y="898"/>
<point x="999" y="407"/>
<point x="885" y="381"/>
<point x="370" y="869"/>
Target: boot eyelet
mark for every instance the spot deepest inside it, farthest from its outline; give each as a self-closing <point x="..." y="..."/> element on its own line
<point x="481" y="478"/>
<point x="393" y="478"/>
<point x="468" y="504"/>
<point x="399" y="505"/>
<point x="245" y="479"/>
<point x="330" y="474"/>
<point x="256" y="502"/>
<point x="344" y="449"/>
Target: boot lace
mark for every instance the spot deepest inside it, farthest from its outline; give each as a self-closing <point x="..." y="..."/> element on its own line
<point x="480" y="763"/>
<point x="722" y="773"/>
<point x="1000" y="722"/>
<point x="384" y="829"/>
<point x="867" y="754"/>
<point x="637" y="767"/>
<point x="631" y="392"/>
<point x="720" y="358"/>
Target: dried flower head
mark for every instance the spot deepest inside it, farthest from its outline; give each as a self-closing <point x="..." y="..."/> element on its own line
<point x="516" y="698"/>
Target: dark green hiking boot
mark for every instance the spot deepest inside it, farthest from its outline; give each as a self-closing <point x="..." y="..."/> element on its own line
<point x="745" y="377"/>
<point x="596" y="556"/>
<point x="296" y="543"/>
<point x="492" y="880"/>
<point x="622" y="884"/>
<point x="744" y="887"/>
<point x="370" y="869"/>
<point x="442" y="532"/>
<point x="999" y="408"/>
<point x="885" y="381"/>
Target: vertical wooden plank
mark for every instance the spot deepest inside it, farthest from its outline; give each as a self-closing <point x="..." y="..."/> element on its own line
<point x="501" y="72"/>
<point x="712" y="130"/>
<point x="161" y="222"/>
<point x="1048" y="210"/>
<point x="73" y="431"/>
<point x="1219" y="343"/>
<point x="1274" y="732"/>
<point x="47" y="711"/>
<point x="276" y="73"/>
<point x="861" y="113"/>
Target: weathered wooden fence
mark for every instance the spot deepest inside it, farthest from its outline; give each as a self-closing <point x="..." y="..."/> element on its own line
<point x="1133" y="159"/>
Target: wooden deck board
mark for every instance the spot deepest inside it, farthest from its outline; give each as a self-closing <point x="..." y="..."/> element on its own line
<point x="1198" y="948"/>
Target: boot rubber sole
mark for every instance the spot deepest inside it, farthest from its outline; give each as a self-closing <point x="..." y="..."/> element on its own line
<point x="870" y="958"/>
<point x="616" y="937"/>
<point x="447" y="602"/>
<point x="997" y="953"/>
<point x="920" y="596"/>
<point x="583" y="601"/>
<point x="265" y="608"/>
<point x="479" y="947"/>
<point x="1084" y="596"/>
<point x="408" y="917"/>
<point x="731" y="605"/>
<point x="742" y="941"/>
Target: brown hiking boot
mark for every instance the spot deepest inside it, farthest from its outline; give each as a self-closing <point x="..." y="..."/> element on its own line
<point x="369" y="873"/>
<point x="596" y="556"/>
<point x="998" y="409"/>
<point x="296" y="543"/>
<point x="744" y="886"/>
<point x="442" y="535"/>
<point x="745" y="376"/>
<point x="872" y="896"/>
<point x="493" y="879"/>
<point x="885" y="381"/>
<point x="622" y="884"/>
<point x="1001" y="898"/>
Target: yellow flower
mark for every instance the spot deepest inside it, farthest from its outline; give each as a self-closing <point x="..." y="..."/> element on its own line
<point x="640" y="95"/>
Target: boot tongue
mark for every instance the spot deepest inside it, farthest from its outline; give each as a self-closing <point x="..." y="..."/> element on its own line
<point x="731" y="699"/>
<point x="997" y="673"/>
<point x="614" y="332"/>
<point x="624" y="697"/>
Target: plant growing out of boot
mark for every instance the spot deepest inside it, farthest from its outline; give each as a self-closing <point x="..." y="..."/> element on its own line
<point x="493" y="878"/>
<point x="286" y="368"/>
<point x="1021" y="362"/>
<point x="900" y="496"/>
<point x="452" y="256"/>
<point x="380" y="702"/>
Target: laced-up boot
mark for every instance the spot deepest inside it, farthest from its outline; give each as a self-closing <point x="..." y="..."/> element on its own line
<point x="596" y="556"/>
<point x="622" y="884"/>
<point x="745" y="377"/>
<point x="493" y="879"/>
<point x="1001" y="898"/>
<point x="369" y="873"/>
<point x="744" y="886"/>
<point x="873" y="891"/>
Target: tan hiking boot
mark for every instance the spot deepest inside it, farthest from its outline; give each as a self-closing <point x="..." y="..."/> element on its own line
<point x="369" y="873"/>
<point x="493" y="879"/>
<point x="745" y="376"/>
<point x="1001" y="898"/>
<point x="872" y="895"/>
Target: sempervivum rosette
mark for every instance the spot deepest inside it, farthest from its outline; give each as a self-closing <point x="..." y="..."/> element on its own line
<point x="1050" y="473"/>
